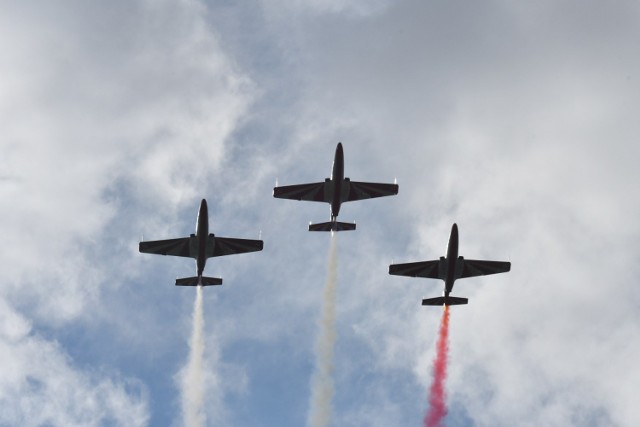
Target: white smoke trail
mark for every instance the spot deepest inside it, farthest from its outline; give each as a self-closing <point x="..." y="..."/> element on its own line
<point x="322" y="388"/>
<point x="193" y="377"/>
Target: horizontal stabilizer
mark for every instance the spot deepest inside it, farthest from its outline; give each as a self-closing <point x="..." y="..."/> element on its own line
<point x="195" y="281"/>
<point x="443" y="301"/>
<point x="332" y="226"/>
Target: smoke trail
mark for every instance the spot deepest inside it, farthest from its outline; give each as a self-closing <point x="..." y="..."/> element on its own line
<point x="322" y="389"/>
<point x="193" y="377"/>
<point x="437" y="398"/>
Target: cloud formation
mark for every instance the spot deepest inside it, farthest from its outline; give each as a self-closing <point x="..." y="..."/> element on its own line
<point x="515" y="121"/>
<point x="101" y="105"/>
<point x="40" y="385"/>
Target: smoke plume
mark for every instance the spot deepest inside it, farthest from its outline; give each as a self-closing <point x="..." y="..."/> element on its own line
<point x="193" y="378"/>
<point x="322" y="387"/>
<point x="437" y="396"/>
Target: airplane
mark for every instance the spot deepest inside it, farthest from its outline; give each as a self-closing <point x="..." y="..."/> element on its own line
<point x="200" y="246"/>
<point x="335" y="190"/>
<point x="449" y="269"/>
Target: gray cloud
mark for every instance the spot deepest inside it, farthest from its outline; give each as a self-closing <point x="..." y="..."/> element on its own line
<point x="515" y="122"/>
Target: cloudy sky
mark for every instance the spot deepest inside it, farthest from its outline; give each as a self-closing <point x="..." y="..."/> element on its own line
<point x="517" y="121"/>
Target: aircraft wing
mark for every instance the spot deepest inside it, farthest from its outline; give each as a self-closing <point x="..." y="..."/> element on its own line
<point x="427" y="269"/>
<point x="473" y="267"/>
<point x="313" y="192"/>
<point x="175" y="247"/>
<point x="229" y="246"/>
<point x="369" y="190"/>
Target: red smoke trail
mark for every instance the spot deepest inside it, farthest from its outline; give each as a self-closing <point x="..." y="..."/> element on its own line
<point x="437" y="398"/>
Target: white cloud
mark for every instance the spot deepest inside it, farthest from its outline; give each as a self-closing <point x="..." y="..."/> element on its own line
<point x="522" y="134"/>
<point x="517" y="122"/>
<point x="102" y="105"/>
<point x="40" y="386"/>
<point x="140" y="109"/>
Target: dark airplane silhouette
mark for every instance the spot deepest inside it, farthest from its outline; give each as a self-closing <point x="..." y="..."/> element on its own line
<point x="201" y="246"/>
<point x="335" y="190"/>
<point x="449" y="269"/>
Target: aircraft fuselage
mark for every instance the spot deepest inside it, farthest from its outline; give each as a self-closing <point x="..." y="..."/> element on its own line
<point x="337" y="179"/>
<point x="452" y="258"/>
<point x="202" y="233"/>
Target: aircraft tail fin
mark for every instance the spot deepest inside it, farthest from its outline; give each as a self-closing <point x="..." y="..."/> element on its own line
<point x="443" y="301"/>
<point x="202" y="280"/>
<point x="332" y="226"/>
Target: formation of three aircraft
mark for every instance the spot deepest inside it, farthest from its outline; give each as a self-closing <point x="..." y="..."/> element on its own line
<point x="334" y="190"/>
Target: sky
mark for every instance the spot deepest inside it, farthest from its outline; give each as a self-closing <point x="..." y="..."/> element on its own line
<point x="518" y="121"/>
